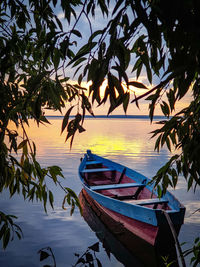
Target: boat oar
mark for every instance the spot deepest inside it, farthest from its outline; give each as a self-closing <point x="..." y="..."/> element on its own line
<point x="175" y="238"/>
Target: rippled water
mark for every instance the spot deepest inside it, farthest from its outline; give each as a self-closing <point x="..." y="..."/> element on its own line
<point x="126" y="141"/>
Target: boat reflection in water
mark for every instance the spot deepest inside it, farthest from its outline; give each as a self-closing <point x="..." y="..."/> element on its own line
<point x="128" y="248"/>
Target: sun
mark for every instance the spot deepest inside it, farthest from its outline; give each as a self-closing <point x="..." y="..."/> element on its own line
<point x="131" y="89"/>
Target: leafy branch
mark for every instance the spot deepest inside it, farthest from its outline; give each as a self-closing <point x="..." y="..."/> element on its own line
<point x="89" y="258"/>
<point x="195" y="251"/>
<point x="8" y="229"/>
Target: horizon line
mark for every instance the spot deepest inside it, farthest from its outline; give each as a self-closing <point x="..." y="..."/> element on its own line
<point x="112" y="116"/>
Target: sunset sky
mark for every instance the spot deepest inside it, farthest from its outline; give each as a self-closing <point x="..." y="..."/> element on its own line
<point x="132" y="108"/>
<point x="98" y="23"/>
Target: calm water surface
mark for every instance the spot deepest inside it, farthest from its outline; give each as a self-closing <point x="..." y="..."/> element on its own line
<point x="126" y="141"/>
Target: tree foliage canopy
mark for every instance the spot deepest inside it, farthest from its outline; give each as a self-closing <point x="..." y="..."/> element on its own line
<point x="159" y="37"/>
<point x="32" y="43"/>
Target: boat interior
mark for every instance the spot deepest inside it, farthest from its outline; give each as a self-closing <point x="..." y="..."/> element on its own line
<point x="118" y="185"/>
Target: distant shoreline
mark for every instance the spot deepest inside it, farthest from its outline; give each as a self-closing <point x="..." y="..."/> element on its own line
<point x="157" y="117"/>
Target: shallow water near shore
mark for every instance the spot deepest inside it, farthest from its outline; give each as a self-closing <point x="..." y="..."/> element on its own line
<point x="126" y="141"/>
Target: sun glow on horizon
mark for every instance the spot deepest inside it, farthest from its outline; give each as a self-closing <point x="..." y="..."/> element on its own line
<point x="132" y="109"/>
<point x="132" y="89"/>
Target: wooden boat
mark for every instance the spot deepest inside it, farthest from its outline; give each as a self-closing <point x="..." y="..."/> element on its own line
<point x="120" y="240"/>
<point x="126" y="195"/>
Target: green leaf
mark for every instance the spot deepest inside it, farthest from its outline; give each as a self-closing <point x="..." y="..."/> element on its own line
<point x="51" y="199"/>
<point x="77" y="62"/>
<point x="159" y="191"/>
<point x="72" y="207"/>
<point x="44" y="196"/>
<point x="71" y="192"/>
<point x="137" y="64"/>
<point x="63" y="203"/>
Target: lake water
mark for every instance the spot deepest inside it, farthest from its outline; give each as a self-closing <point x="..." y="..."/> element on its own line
<point x="126" y="141"/>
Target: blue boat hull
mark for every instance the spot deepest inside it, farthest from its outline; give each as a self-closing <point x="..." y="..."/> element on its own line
<point x="142" y="213"/>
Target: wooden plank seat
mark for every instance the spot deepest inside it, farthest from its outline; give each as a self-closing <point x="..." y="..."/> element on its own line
<point x="149" y="201"/>
<point x="115" y="186"/>
<point x="93" y="162"/>
<point x="97" y="170"/>
<point x="135" y="195"/>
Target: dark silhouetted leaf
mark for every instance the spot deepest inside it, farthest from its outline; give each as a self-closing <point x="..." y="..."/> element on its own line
<point x="66" y="119"/>
<point x="6" y="238"/>
<point x="80" y="129"/>
<point x="89" y="257"/>
<point x="137" y="84"/>
<point x="43" y="255"/>
<point x="81" y="260"/>
<point x="119" y="2"/>
<point x="94" y="35"/>
<point x="22" y="144"/>
<point x="126" y="99"/>
<point x="56" y="58"/>
<point x="98" y="262"/>
<point x="77" y="33"/>
<point x="95" y="247"/>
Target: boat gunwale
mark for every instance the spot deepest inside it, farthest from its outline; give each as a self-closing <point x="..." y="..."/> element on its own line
<point x="176" y="207"/>
<point x="131" y="204"/>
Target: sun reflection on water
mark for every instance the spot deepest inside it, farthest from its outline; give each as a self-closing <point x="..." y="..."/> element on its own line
<point x="102" y="137"/>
